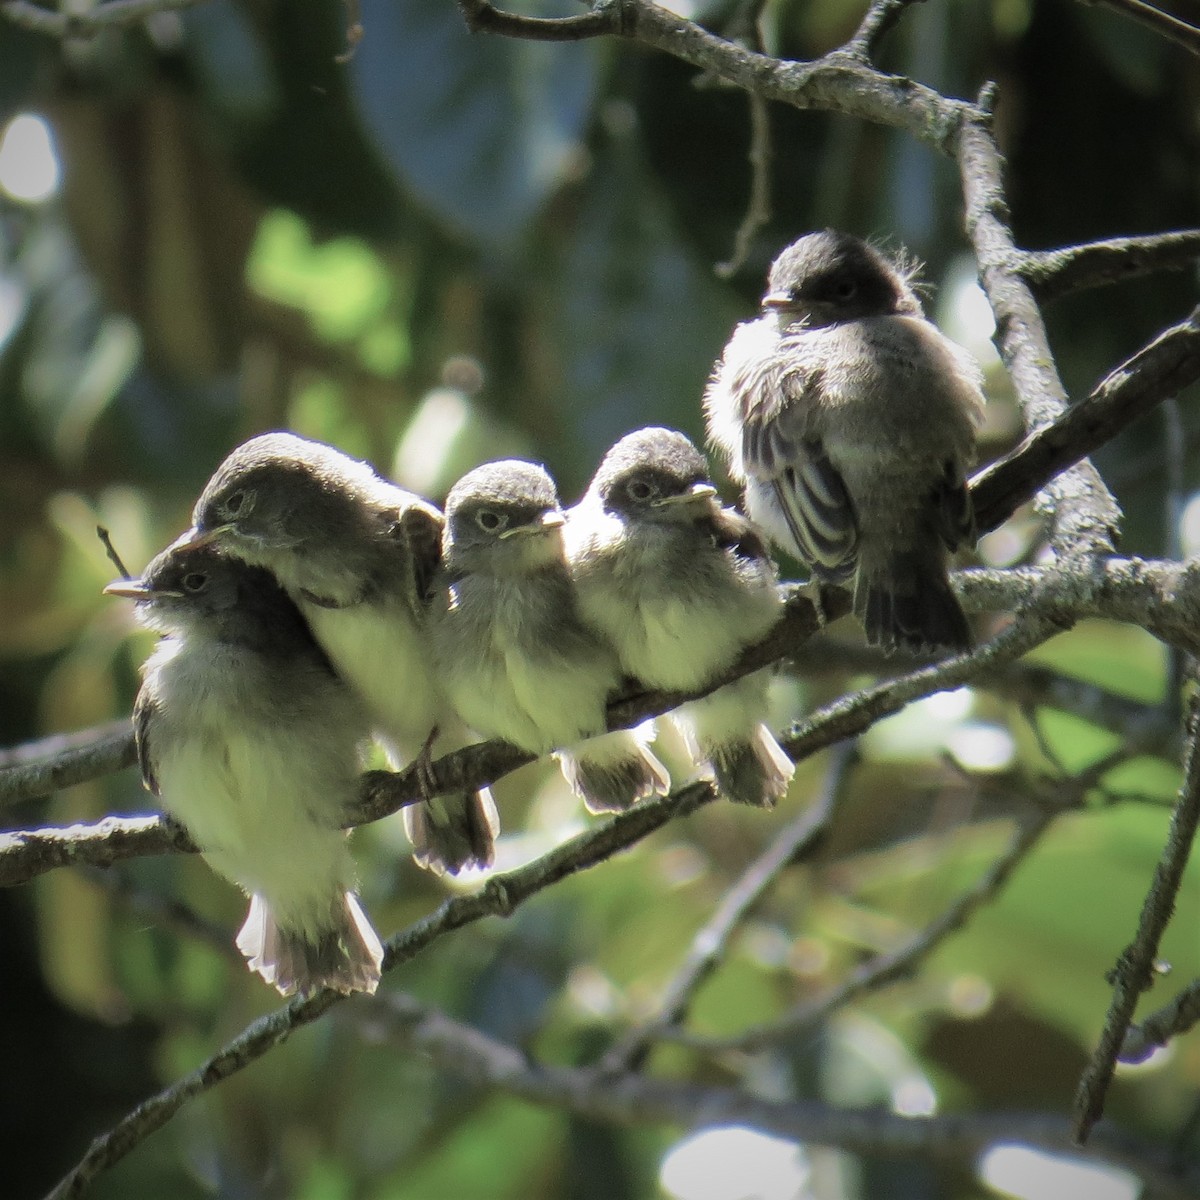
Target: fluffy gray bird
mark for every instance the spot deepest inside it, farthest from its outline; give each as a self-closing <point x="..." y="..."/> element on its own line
<point x="252" y="742"/>
<point x="680" y="586"/>
<point x="851" y="419"/>
<point x="513" y="653"/>
<point x="358" y="556"/>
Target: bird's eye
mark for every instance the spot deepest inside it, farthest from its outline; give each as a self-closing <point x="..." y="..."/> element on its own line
<point x="238" y="503"/>
<point x="489" y="520"/>
<point x="845" y="289"/>
<point x="195" y="581"/>
<point x="640" y="489"/>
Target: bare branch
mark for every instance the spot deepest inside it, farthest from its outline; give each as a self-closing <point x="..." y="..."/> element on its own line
<point x="1134" y="970"/>
<point x="637" y="1100"/>
<point x="42" y="767"/>
<point x="1182" y="1014"/>
<point x="1055" y="273"/>
<point x="758" y="207"/>
<point x="1160" y="370"/>
<point x="878" y="21"/>
<point x="498" y="897"/>
<point x="1083" y="513"/>
<point x="896" y="964"/>
<point x="711" y="942"/>
<point x="1170" y="27"/>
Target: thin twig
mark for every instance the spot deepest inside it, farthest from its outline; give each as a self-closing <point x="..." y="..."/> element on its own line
<point x="470" y="1054"/>
<point x="896" y="964"/>
<point x="1142" y="1039"/>
<point x="758" y="207"/>
<point x="1168" y="26"/>
<point x="1134" y="970"/>
<point x="111" y="551"/>
<point x="711" y="942"/>
<point x="499" y="897"/>
<point x="878" y="21"/>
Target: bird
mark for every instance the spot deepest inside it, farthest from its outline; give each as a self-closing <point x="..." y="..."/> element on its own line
<point x="358" y="555"/>
<point x="850" y="420"/>
<point x="680" y="586"/>
<point x="251" y="740"/>
<point x="512" y="651"/>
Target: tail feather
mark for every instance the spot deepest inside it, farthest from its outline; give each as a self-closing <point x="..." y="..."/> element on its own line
<point x="345" y="956"/>
<point x="908" y="602"/>
<point x="611" y="773"/>
<point x="452" y="833"/>
<point x="754" y="771"/>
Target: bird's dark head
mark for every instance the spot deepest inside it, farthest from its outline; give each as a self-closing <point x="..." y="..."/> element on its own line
<point x="656" y="475"/>
<point x="278" y="492"/>
<point x="829" y="277"/>
<point x="189" y="587"/>
<point x="502" y="516"/>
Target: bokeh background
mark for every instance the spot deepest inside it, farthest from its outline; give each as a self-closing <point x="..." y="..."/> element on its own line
<point x="450" y="248"/>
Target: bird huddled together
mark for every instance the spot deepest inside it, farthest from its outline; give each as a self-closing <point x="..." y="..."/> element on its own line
<point x="314" y="603"/>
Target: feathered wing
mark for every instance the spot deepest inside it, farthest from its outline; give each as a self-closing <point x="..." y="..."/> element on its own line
<point x="144" y="710"/>
<point x="781" y="448"/>
<point x="448" y="833"/>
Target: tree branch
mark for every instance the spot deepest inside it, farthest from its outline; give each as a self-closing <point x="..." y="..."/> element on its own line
<point x="499" y="897"/>
<point x="637" y="1100"/>
<point x="1170" y="27"/>
<point x="1134" y="970"/>
<point x="1084" y="516"/>
<point x="1055" y="273"/>
<point x="711" y="942"/>
<point x="1180" y="1015"/>
<point x="1160" y="370"/>
<point x="895" y="964"/>
<point x="42" y="767"/>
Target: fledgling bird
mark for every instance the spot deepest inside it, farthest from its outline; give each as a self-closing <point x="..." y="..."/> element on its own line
<point x="252" y="741"/>
<point x="680" y="586"/>
<point x="851" y="419"/>
<point x="514" y="655"/>
<point x="358" y="556"/>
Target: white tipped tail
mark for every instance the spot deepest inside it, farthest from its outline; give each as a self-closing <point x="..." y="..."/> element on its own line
<point x="612" y="772"/>
<point x="345" y="955"/>
<point x="726" y="733"/>
<point x="451" y="833"/>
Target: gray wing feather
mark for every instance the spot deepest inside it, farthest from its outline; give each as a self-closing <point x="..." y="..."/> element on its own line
<point x="144" y="711"/>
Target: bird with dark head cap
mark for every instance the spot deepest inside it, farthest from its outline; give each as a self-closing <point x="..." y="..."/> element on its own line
<point x="252" y="742"/>
<point x="850" y="420"/>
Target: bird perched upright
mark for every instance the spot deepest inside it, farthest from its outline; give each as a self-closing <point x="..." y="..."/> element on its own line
<point x="358" y="555"/>
<point x="252" y="742"/>
<point x="680" y="586"/>
<point x="851" y="419"/>
<point x="514" y="655"/>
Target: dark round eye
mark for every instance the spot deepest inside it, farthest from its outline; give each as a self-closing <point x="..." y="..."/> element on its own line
<point x="639" y="489"/>
<point x="489" y="520"/>
<point x="195" y="581"/>
<point x="845" y="289"/>
<point x="235" y="502"/>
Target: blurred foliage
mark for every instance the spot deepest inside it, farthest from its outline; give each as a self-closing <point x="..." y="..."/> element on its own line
<point x="453" y="247"/>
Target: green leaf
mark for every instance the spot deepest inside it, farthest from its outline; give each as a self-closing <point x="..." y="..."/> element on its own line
<point x="481" y="129"/>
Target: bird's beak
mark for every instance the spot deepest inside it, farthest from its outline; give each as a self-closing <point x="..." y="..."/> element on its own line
<point x="136" y="589"/>
<point x="698" y="493"/>
<point x="548" y="522"/>
<point x="195" y="537"/>
<point x="777" y="300"/>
